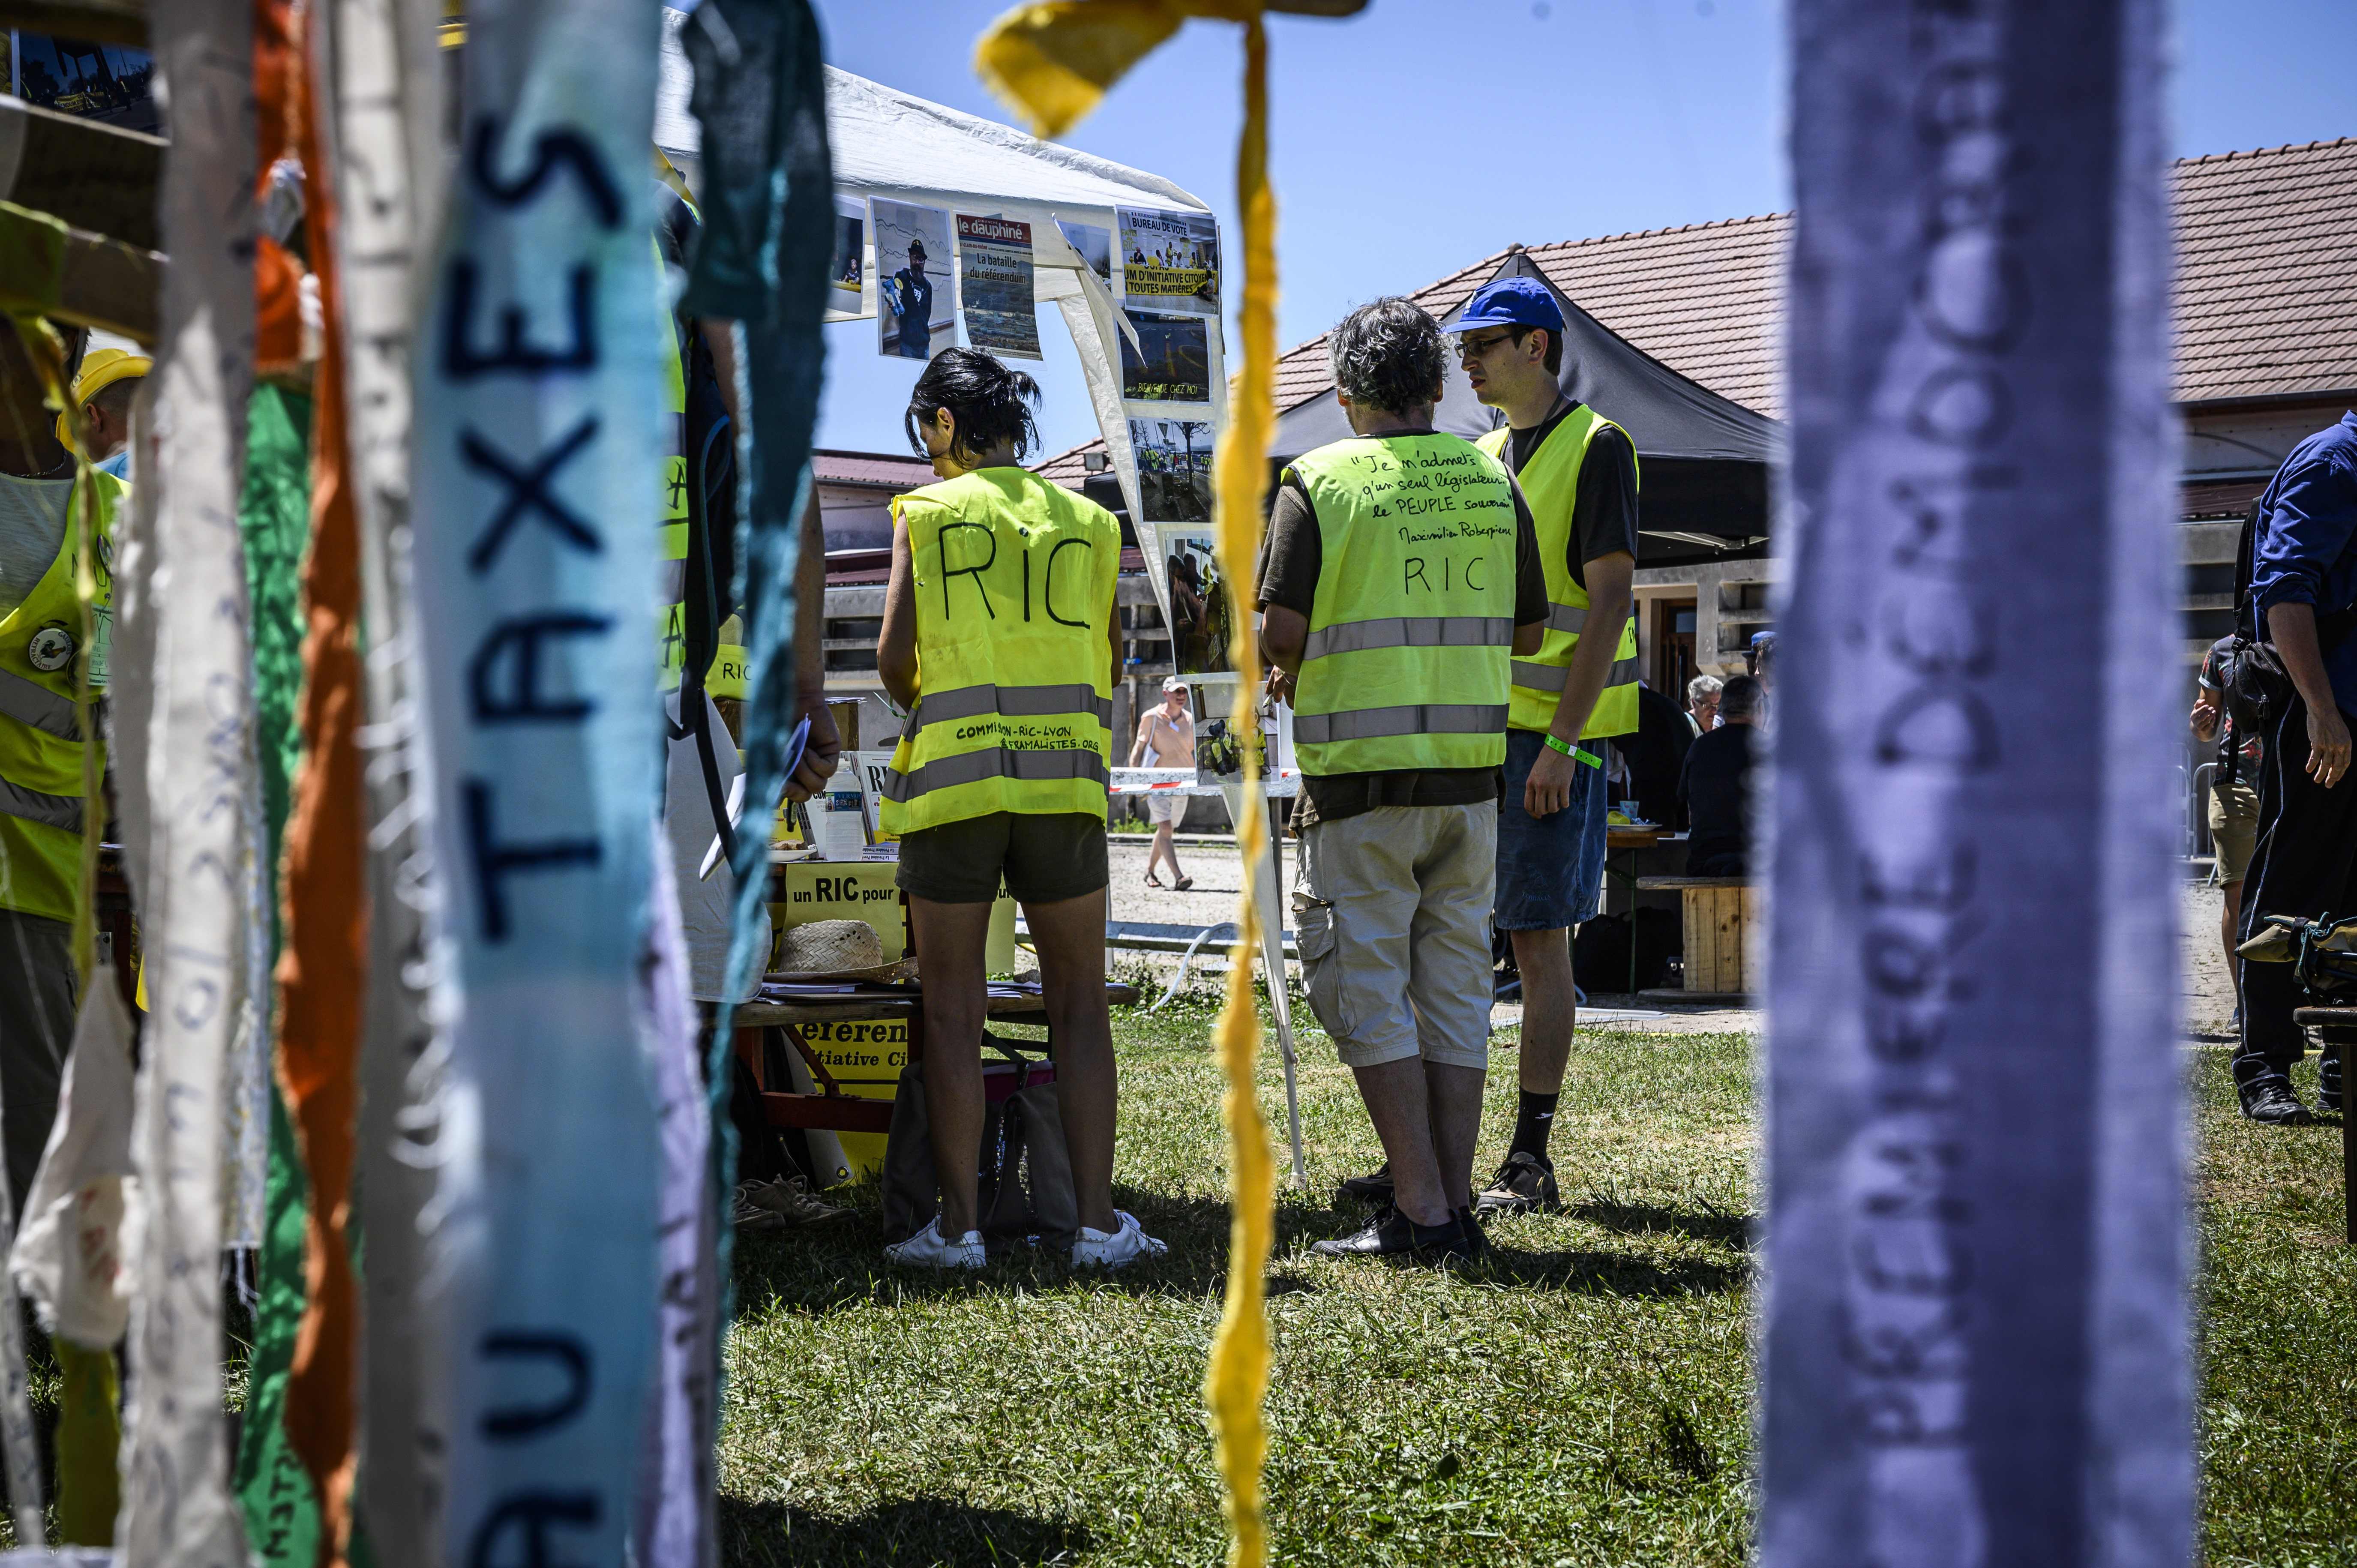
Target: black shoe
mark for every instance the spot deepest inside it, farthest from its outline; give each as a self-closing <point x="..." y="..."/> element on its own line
<point x="1524" y="1183"/>
<point x="1476" y="1238"/>
<point x="2271" y="1101"/>
<point x="1375" y="1188"/>
<point x="1392" y="1234"/>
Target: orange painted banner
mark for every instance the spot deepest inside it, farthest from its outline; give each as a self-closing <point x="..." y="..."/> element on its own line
<point x="321" y="967"/>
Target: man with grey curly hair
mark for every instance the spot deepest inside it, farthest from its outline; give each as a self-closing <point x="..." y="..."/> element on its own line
<point x="1399" y="575"/>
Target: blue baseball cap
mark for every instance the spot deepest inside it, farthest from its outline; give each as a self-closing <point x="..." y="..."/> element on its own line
<point x="1511" y="302"/>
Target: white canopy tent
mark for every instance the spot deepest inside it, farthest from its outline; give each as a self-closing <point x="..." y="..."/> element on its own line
<point x="891" y="146"/>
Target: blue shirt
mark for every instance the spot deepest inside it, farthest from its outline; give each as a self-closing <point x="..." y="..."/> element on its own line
<point x="2303" y="555"/>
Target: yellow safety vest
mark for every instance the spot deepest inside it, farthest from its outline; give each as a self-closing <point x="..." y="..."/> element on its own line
<point x="41" y="660"/>
<point x="1015" y="602"/>
<point x="729" y="662"/>
<point x="1550" y="482"/>
<point x="1413" y="623"/>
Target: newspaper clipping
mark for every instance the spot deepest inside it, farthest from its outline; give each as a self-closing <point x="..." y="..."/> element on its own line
<point x="995" y="287"/>
<point x="1170" y="259"/>
<point x="914" y="318"/>
<point x="1172" y="362"/>
<point x="846" y="297"/>
<point x="1174" y="468"/>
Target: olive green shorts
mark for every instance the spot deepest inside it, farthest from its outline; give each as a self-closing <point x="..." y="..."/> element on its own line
<point x="1044" y="857"/>
<point x="2234" y="828"/>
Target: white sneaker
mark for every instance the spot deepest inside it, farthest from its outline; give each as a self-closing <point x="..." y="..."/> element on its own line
<point x="929" y="1250"/>
<point x="1096" y="1249"/>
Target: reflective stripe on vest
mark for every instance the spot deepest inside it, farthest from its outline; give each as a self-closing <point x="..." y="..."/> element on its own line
<point x="1011" y="702"/>
<point x="973" y="767"/>
<point x="1555" y="677"/>
<point x="1418" y="718"/>
<point x="47" y="711"/>
<point x="1014" y="601"/>
<point x="1412" y="621"/>
<point x="1550" y="482"/>
<point x="1409" y="632"/>
<point x="62" y="813"/>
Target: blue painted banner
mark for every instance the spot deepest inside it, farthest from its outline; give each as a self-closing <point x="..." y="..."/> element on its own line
<point x="1976" y="1344"/>
<point x="539" y="459"/>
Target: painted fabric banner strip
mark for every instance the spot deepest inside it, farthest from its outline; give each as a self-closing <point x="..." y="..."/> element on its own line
<point x="760" y="96"/>
<point x="322" y="962"/>
<point x="1976" y="1348"/>
<point x="677" y="1523"/>
<point x="387" y="69"/>
<point x="195" y="708"/>
<point x="539" y="462"/>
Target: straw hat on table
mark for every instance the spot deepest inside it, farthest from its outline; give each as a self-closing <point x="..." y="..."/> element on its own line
<point x="836" y="949"/>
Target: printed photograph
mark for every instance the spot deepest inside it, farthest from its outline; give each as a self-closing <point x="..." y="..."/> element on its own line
<point x="1174" y="468"/>
<point x="1198" y="602"/>
<point x="915" y="311"/>
<point x="1095" y="244"/>
<point x="846" y="298"/>
<point x="106" y="82"/>
<point x="1170" y="259"/>
<point x="1172" y="362"/>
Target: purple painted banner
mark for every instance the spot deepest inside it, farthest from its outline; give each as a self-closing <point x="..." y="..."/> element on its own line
<point x="1976" y="1344"/>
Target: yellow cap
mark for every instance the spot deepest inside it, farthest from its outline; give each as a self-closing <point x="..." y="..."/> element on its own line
<point x="100" y="368"/>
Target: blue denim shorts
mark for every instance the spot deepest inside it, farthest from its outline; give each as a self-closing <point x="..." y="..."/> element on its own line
<point x="1549" y="868"/>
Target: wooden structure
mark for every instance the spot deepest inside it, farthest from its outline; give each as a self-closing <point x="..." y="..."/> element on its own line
<point x="789" y="1005"/>
<point x="1717" y="932"/>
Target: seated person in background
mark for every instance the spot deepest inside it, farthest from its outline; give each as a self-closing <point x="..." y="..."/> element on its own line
<point x="1657" y="755"/>
<point x="1003" y="646"/>
<point x="1716" y="787"/>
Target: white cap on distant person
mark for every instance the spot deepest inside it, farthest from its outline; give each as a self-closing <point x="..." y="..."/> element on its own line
<point x="1172" y="683"/>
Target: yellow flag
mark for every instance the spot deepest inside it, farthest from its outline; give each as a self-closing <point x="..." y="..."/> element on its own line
<point x="1054" y="61"/>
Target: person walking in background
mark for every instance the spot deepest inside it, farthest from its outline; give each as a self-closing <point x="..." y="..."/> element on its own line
<point x="1578" y="470"/>
<point x="1716" y="787"/>
<point x="2302" y="598"/>
<point x="1702" y="703"/>
<point x="1001" y="643"/>
<point x="910" y="297"/>
<point x="2234" y="794"/>
<point x="1166" y="738"/>
<point x="1395" y="645"/>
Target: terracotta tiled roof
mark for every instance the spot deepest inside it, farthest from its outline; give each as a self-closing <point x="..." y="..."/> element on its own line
<point x="2266" y="285"/>
<point x="2266" y="272"/>
<point x="881" y="469"/>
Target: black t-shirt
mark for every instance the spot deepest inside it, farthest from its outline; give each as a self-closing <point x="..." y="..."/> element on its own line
<point x="1715" y="790"/>
<point x="1604" y="512"/>
<point x="1291" y="556"/>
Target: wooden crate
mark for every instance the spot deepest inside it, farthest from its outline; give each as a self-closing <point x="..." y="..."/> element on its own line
<point x="1718" y="929"/>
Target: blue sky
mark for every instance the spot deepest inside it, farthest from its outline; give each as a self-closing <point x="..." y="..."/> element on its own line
<point x="1427" y="134"/>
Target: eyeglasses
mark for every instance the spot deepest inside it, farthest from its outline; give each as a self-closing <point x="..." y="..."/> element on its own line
<point x="1472" y="348"/>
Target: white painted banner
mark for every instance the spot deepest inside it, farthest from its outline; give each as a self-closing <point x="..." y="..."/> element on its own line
<point x="186" y="657"/>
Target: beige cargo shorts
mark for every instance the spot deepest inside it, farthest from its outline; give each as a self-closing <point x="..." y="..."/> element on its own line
<point x="1391" y="913"/>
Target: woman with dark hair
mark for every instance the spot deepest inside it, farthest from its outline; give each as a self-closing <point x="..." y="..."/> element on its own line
<point x="1000" y="640"/>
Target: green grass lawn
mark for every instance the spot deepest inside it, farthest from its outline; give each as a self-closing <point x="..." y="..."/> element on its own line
<point x="1587" y="1402"/>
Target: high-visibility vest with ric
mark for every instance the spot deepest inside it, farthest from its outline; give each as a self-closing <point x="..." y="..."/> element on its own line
<point x="1550" y="482"/>
<point x="1014" y="582"/>
<point x="43" y="659"/>
<point x="1413" y="623"/>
